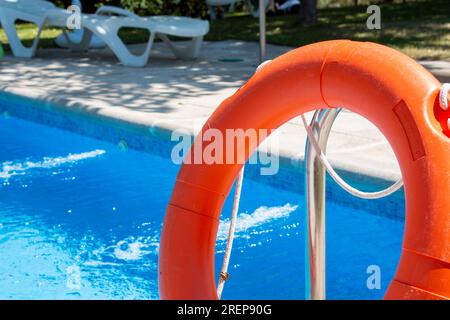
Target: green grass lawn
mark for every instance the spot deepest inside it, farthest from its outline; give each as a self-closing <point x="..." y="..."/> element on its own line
<point x="27" y="32"/>
<point x="420" y="29"/>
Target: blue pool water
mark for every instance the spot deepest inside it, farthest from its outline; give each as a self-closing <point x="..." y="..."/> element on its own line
<point x="81" y="219"/>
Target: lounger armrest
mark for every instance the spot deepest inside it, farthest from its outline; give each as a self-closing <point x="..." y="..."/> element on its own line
<point x="104" y="10"/>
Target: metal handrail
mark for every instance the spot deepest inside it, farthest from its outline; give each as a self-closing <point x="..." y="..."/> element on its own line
<point x="317" y="165"/>
<point x="321" y="124"/>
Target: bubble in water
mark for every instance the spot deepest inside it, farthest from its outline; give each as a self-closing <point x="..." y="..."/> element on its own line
<point x="123" y="145"/>
<point x="129" y="251"/>
<point x="73" y="281"/>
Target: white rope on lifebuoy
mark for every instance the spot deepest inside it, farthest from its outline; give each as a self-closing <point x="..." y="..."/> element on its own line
<point x="262" y="65"/>
<point x="337" y="178"/>
<point x="224" y="275"/>
<point x="443" y="99"/>
<point x="443" y="96"/>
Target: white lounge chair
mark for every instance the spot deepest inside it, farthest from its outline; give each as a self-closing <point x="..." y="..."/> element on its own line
<point x="33" y="11"/>
<point x="64" y="40"/>
<point x="105" y="24"/>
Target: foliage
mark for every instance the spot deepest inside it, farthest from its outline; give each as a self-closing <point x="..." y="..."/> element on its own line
<point x="192" y="8"/>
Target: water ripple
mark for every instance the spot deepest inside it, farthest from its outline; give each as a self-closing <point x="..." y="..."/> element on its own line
<point x="10" y="168"/>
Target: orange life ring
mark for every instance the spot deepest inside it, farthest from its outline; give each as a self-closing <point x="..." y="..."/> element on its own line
<point x="392" y="91"/>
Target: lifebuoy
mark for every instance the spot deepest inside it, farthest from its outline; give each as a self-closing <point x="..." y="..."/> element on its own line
<point x="392" y="91"/>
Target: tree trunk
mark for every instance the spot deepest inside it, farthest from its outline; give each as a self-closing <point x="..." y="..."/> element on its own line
<point x="308" y="12"/>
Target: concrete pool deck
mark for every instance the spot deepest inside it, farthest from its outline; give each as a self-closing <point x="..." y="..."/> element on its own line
<point x="170" y="94"/>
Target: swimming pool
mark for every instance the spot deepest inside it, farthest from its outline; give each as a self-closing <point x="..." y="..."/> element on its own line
<point x="81" y="219"/>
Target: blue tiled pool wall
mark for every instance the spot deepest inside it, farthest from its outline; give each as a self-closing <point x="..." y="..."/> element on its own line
<point x="141" y="138"/>
<point x="291" y="177"/>
<point x="157" y="141"/>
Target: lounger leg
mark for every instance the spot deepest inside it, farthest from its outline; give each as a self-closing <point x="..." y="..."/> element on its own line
<point x="83" y="45"/>
<point x="190" y="52"/>
<point x="114" y="42"/>
<point x="194" y="49"/>
<point x="86" y="40"/>
<point x="17" y="47"/>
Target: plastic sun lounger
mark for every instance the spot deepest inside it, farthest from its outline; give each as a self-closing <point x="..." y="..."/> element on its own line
<point x="65" y="38"/>
<point x="107" y="28"/>
<point x="25" y="10"/>
<point x="105" y="24"/>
